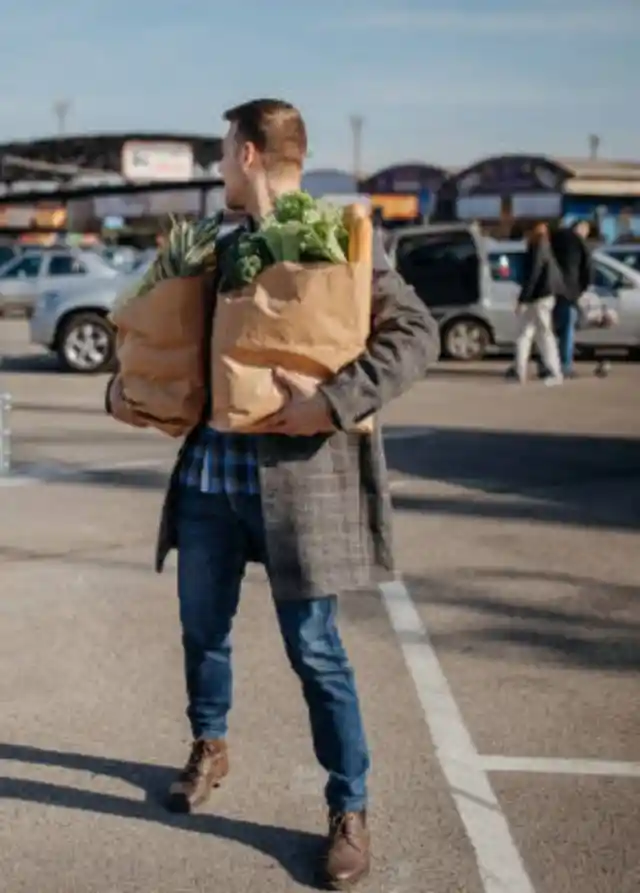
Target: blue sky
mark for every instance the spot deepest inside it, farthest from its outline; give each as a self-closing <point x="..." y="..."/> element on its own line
<point x="441" y="83"/>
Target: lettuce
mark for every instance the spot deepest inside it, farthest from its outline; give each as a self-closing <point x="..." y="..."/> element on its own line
<point x="299" y="230"/>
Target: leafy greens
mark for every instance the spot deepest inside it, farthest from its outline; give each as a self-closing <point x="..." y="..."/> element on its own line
<point x="299" y="230"/>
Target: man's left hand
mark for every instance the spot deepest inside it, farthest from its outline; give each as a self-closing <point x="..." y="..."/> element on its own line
<point x="305" y="413"/>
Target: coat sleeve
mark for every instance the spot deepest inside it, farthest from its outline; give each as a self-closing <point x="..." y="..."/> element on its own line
<point x="530" y="273"/>
<point x="403" y="344"/>
<point x="586" y="268"/>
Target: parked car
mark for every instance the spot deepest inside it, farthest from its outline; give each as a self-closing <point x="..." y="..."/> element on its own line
<point x="36" y="271"/>
<point x="448" y="266"/>
<point x="626" y="254"/>
<point x="471" y="286"/>
<point x="615" y="284"/>
<point x="73" y="322"/>
<point x="8" y="250"/>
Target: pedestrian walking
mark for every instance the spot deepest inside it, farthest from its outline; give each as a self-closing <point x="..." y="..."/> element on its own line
<point x="541" y="282"/>
<point x="310" y="503"/>
<point x="572" y="254"/>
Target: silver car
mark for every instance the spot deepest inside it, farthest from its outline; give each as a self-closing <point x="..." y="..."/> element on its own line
<point x="36" y="271"/>
<point x="471" y="285"/>
<point x="615" y="284"/>
<point x="73" y="322"/>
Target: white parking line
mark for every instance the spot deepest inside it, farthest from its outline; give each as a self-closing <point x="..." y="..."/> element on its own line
<point x="559" y="766"/>
<point x="499" y="862"/>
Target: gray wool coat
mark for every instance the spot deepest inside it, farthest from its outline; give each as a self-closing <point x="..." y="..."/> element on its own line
<point x="326" y="501"/>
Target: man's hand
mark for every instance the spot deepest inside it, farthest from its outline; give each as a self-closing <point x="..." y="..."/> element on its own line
<point x="305" y="413"/>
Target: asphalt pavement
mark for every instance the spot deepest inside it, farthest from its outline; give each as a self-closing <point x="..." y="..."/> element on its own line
<point x="500" y="676"/>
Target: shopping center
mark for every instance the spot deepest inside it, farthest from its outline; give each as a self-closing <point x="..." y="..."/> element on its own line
<point x="123" y="184"/>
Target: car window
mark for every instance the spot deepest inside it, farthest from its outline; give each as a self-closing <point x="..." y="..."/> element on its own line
<point x="507" y="266"/>
<point x="7" y="253"/>
<point x="27" y="267"/>
<point x="608" y="279"/>
<point x="442" y="267"/>
<point x="630" y="258"/>
<point x="66" y="265"/>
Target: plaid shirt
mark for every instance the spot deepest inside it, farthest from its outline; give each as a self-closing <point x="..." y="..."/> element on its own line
<point x="216" y="462"/>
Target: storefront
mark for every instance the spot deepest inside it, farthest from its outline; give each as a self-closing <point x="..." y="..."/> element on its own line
<point x="606" y="193"/>
<point x="505" y="194"/>
<point x="404" y="192"/>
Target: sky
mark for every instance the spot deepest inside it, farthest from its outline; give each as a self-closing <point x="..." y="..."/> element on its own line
<point x="441" y="83"/>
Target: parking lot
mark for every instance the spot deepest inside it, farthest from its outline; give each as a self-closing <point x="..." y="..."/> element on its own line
<point x="500" y="676"/>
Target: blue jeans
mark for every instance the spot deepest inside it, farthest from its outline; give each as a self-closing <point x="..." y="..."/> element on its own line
<point x="216" y="533"/>
<point x="565" y="318"/>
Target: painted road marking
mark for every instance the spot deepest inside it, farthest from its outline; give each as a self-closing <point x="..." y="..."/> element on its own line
<point x="559" y="766"/>
<point x="499" y="862"/>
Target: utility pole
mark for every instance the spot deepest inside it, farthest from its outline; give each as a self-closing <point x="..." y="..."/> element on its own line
<point x="594" y="146"/>
<point x="357" y="123"/>
<point x="61" y="109"/>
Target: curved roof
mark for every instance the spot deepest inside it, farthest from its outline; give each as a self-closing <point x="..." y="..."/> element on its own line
<point x="94" y="152"/>
<point x="508" y="173"/>
<point x="411" y="176"/>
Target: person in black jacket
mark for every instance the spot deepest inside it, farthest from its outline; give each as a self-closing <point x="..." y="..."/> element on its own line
<point x="542" y="281"/>
<point x="570" y="249"/>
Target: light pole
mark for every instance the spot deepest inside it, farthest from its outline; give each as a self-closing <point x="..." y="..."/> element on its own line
<point x="61" y="109"/>
<point x="357" y="123"/>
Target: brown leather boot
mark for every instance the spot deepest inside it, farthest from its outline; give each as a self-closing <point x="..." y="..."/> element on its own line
<point x="348" y="857"/>
<point x="207" y="765"/>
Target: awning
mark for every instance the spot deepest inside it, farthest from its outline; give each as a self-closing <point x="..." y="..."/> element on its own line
<point x="607" y="188"/>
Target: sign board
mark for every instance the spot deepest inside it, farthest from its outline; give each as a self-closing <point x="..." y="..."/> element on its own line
<point x="396" y="206"/>
<point x="143" y="161"/>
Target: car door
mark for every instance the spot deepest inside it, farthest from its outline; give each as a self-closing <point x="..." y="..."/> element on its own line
<point x="62" y="269"/>
<point x="19" y="283"/>
<point x="443" y="264"/>
<point x="506" y="268"/>
<point x="618" y="292"/>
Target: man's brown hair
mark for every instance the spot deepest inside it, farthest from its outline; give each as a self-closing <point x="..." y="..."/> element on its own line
<point x="275" y="127"/>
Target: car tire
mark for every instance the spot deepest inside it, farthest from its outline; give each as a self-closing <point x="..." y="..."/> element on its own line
<point x="86" y="344"/>
<point x="466" y="339"/>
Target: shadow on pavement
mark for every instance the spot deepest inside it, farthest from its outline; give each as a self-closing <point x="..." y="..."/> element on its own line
<point x="595" y="627"/>
<point x="296" y="851"/>
<point x="555" y="468"/>
<point x="43" y="363"/>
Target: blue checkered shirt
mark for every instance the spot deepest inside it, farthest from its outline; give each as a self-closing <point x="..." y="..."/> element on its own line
<point x="216" y="462"/>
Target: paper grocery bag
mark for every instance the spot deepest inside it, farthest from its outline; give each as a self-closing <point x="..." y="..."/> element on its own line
<point x="160" y="345"/>
<point x="307" y="318"/>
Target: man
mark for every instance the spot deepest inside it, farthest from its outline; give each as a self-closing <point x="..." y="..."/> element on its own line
<point x="312" y="506"/>
<point x="572" y="254"/>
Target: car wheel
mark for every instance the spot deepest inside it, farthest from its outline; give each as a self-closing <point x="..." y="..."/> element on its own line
<point x="466" y="339"/>
<point x="86" y="344"/>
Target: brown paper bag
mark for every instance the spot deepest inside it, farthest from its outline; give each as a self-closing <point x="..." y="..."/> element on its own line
<point x="311" y="319"/>
<point x="160" y="343"/>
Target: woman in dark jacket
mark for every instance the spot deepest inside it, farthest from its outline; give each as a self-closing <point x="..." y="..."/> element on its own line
<point x="542" y="281"/>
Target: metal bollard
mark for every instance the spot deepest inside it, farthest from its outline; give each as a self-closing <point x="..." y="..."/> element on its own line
<point x="5" y="434"/>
